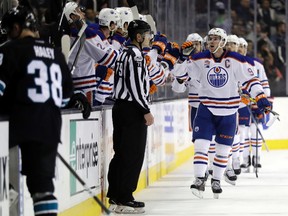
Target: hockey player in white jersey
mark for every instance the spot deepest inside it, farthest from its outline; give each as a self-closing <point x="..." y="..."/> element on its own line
<point x="160" y="58"/>
<point x="218" y="72"/>
<point x="246" y="125"/>
<point x="193" y="45"/>
<point x="233" y="166"/>
<point x="86" y="76"/>
<point x="120" y="37"/>
<point x="109" y="20"/>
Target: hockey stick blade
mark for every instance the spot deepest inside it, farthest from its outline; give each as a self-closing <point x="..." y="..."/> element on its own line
<point x="275" y="114"/>
<point x="151" y="22"/>
<point x="80" y="33"/>
<point x="65" y="45"/>
<point x="135" y="13"/>
<point x="106" y="210"/>
<point x="272" y="120"/>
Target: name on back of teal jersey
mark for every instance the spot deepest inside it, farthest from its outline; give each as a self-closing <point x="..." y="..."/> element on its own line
<point x="44" y="52"/>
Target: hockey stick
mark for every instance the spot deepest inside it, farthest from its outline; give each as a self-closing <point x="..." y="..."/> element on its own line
<point x="79" y="35"/>
<point x="82" y="39"/>
<point x="276" y="116"/>
<point x="67" y="49"/>
<point x="135" y="13"/>
<point x="272" y="120"/>
<point x="62" y="16"/>
<point x="252" y="116"/>
<point x="151" y="22"/>
<point x="107" y="211"/>
<point x="256" y="159"/>
<point x="134" y="9"/>
<point x="65" y="46"/>
<point x="256" y="125"/>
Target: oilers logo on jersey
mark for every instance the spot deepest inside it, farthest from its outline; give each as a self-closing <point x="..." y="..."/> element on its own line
<point x="217" y="77"/>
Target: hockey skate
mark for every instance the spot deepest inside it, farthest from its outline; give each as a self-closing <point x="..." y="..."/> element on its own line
<point x="230" y="176"/>
<point x="132" y="207"/>
<point x="256" y="163"/>
<point x="236" y="165"/>
<point x="198" y="187"/>
<point x="210" y="170"/>
<point x="13" y="202"/>
<point x="216" y="188"/>
<point x="113" y="205"/>
<point x="245" y="166"/>
<point x="206" y="175"/>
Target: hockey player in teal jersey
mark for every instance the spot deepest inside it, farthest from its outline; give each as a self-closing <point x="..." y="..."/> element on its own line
<point x="35" y="82"/>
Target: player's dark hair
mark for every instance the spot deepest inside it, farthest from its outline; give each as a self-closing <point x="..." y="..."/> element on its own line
<point x="137" y="26"/>
<point x="21" y="15"/>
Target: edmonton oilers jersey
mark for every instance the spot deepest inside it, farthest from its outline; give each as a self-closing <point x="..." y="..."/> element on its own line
<point x="219" y="80"/>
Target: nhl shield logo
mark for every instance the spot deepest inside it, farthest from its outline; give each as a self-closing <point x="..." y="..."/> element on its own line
<point x="217" y="77"/>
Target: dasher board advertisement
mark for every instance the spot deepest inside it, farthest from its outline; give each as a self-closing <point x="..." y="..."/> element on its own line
<point x="84" y="153"/>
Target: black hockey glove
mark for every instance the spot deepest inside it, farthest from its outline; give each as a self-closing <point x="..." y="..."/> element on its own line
<point x="79" y="101"/>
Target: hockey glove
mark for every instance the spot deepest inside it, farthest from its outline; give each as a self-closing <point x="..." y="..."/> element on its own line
<point x="172" y="54"/>
<point x="103" y="72"/>
<point x="271" y="100"/>
<point x="79" y="101"/>
<point x="258" y="113"/>
<point x="159" y="43"/>
<point x="148" y="60"/>
<point x="153" y="87"/>
<point x="187" y="49"/>
<point x="245" y="96"/>
<point x="178" y="87"/>
<point x="263" y="103"/>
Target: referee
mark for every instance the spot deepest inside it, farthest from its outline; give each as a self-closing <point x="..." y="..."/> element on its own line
<point x="131" y="116"/>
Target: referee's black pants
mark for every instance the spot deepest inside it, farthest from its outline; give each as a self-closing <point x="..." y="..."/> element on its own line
<point x="129" y="142"/>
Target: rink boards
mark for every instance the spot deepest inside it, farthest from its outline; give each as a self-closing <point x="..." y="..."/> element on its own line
<point x="87" y="147"/>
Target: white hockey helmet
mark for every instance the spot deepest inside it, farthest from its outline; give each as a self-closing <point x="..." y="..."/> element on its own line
<point x="71" y="8"/>
<point x="232" y="43"/>
<point x="219" y="32"/>
<point x="243" y="45"/>
<point x="126" y="16"/>
<point x="242" y="42"/>
<point x="233" y="39"/>
<point x="107" y="16"/>
<point x="195" y="37"/>
<point x="142" y="17"/>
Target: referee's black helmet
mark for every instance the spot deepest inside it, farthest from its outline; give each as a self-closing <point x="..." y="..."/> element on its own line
<point x="137" y="26"/>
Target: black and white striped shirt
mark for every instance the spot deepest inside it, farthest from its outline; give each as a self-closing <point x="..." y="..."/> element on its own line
<point x="131" y="81"/>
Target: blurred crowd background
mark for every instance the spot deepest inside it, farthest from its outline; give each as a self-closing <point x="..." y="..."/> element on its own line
<point x="261" y="22"/>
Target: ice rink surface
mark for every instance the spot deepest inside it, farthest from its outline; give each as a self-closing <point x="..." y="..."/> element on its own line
<point x="266" y="195"/>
